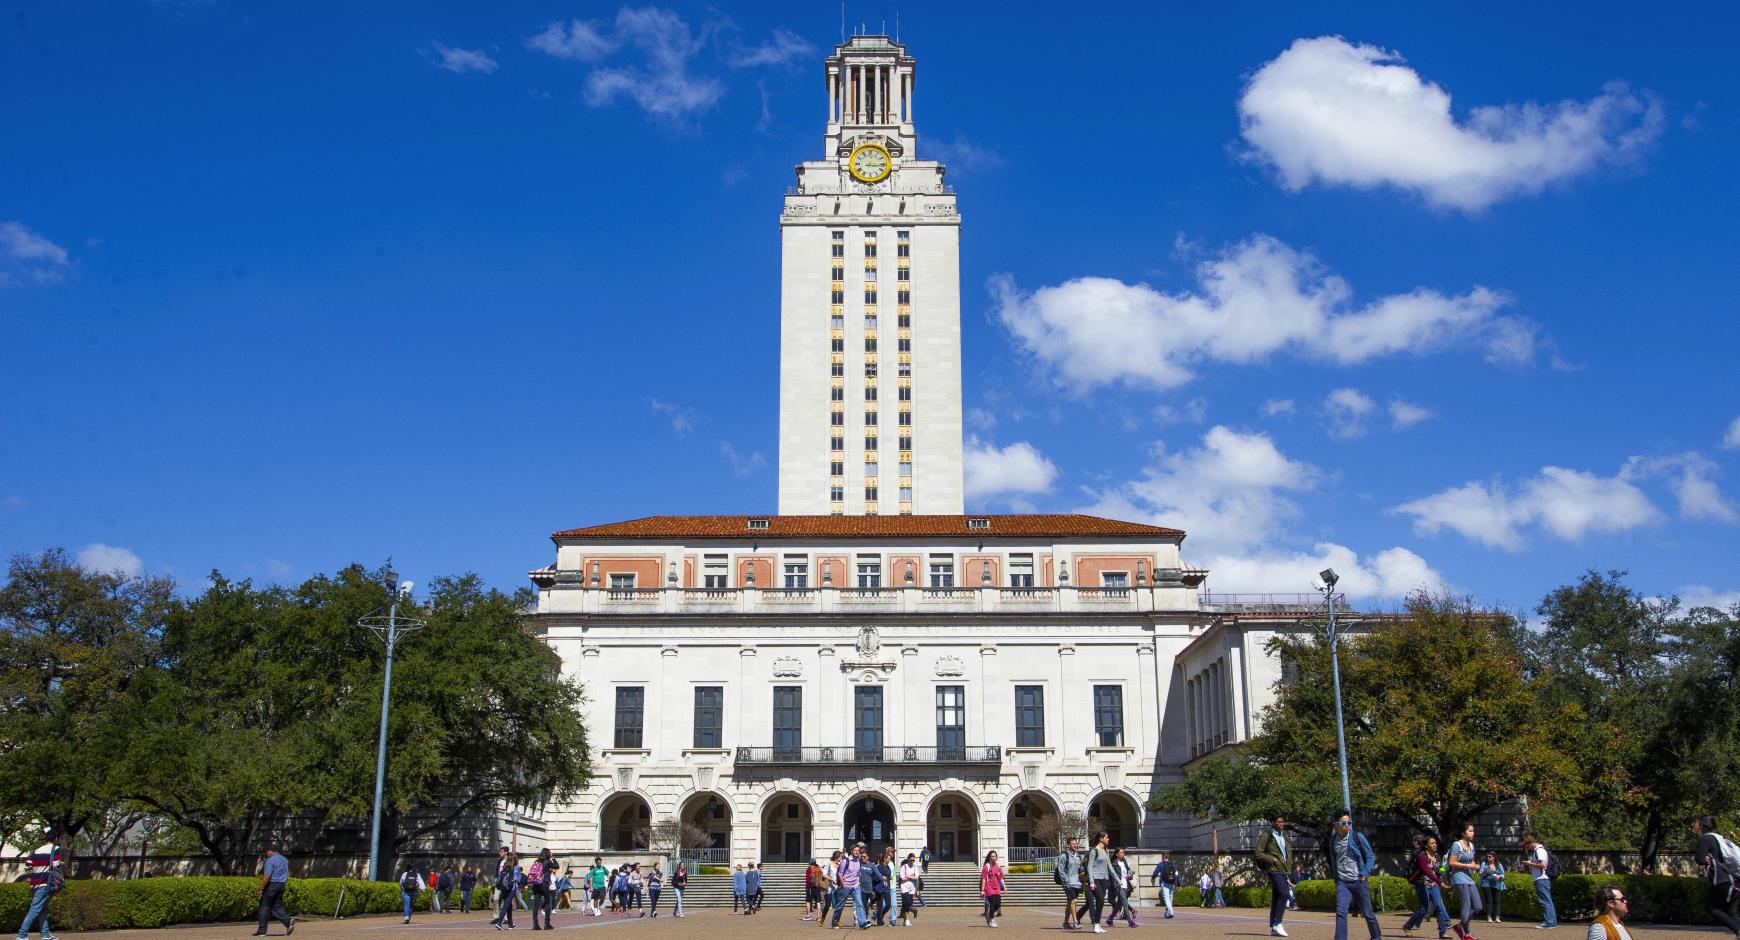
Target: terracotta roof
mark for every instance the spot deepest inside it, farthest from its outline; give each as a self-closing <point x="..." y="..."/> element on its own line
<point x="867" y="527"/>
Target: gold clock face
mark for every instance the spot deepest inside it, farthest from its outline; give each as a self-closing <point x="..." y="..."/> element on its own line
<point x="870" y="163"/>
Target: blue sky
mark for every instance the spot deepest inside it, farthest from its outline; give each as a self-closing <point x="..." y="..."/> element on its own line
<point x="1441" y="298"/>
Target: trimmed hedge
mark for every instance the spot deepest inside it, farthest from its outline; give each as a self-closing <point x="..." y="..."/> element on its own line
<point x="160" y="902"/>
<point x="1655" y="899"/>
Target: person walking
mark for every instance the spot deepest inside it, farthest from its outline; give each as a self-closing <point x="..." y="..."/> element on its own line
<point x="552" y="886"/>
<point x="637" y="889"/>
<point x="739" y="889"/>
<point x="598" y="883"/>
<point x="885" y="888"/>
<point x="507" y="887"/>
<point x="1205" y="887"/>
<point x="830" y="882"/>
<point x="444" y="889"/>
<point x="1067" y="871"/>
<point x="535" y="878"/>
<point x="47" y="875"/>
<point x="565" y="890"/>
<point x="1428" y="887"/>
<point x="991" y="888"/>
<point x="752" y="889"/>
<point x="1219" y="879"/>
<point x="1464" y="867"/>
<point x="812" y="889"/>
<point x="1293" y="880"/>
<point x="410" y="883"/>
<point x="274" y="879"/>
<point x="852" y="886"/>
<point x="1124" y="879"/>
<point x="910" y="873"/>
<point x="1611" y="906"/>
<point x="1537" y="861"/>
<point x="655" y="886"/>
<point x="1166" y="876"/>
<point x="1099" y="876"/>
<point x="924" y="859"/>
<point x="1274" y="858"/>
<point x="467" y="884"/>
<point x="1352" y="860"/>
<point x="1492" y="888"/>
<point x="679" y="884"/>
<point x="1721" y="861"/>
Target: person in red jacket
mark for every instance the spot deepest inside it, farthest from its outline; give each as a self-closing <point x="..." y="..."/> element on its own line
<point x="991" y="888"/>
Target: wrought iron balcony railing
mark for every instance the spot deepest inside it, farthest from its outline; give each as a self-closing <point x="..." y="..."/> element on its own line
<point x="848" y="754"/>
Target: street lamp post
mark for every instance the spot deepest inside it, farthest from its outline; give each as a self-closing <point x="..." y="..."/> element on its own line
<point x="1329" y="578"/>
<point x="390" y="628"/>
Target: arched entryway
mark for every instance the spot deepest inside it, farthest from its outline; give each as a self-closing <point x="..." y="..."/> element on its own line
<point x="711" y="814"/>
<point x="869" y="818"/>
<point x="1117" y="814"/>
<point x="624" y="823"/>
<point x="786" y="823"/>
<point x="1033" y="826"/>
<point x="951" y="828"/>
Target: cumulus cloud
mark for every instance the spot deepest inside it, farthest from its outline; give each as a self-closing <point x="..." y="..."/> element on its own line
<point x="1278" y="406"/>
<point x="26" y="257"/>
<point x="1346" y="409"/>
<point x="1018" y="469"/>
<point x="1406" y="415"/>
<point x="110" y="559"/>
<point x="981" y="420"/>
<point x="460" y="60"/>
<point x="1340" y="113"/>
<point x="1255" y="299"/>
<point x="1699" y="595"/>
<point x="1392" y="573"/>
<point x="1731" y="437"/>
<point x="741" y="465"/>
<point x="1688" y="475"/>
<point x="1567" y="504"/>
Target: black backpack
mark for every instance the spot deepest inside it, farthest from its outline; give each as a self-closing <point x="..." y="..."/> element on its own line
<point x="1554" y="870"/>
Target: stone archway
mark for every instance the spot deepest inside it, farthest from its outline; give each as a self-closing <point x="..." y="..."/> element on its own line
<point x="1118" y="815"/>
<point x="1033" y="820"/>
<point x="787" y="825"/>
<point x="624" y="823"/>
<point x="868" y="818"/>
<point x="951" y="828"/>
<point x="710" y="813"/>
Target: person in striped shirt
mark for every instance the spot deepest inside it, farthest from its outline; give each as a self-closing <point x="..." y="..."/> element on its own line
<point x="46" y="875"/>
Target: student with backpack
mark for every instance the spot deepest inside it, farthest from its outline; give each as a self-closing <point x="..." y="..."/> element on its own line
<point x="409" y="884"/>
<point x="1721" y="858"/>
<point x="1428" y="885"/>
<point x="1544" y="867"/>
<point x="507" y="886"/>
<point x="1166" y="875"/>
<point x="1352" y="861"/>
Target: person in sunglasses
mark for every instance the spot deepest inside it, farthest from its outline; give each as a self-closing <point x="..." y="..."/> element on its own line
<point x="1611" y="907"/>
<point x="1353" y="862"/>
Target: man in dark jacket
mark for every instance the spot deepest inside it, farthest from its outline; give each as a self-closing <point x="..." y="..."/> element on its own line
<point x="1273" y="859"/>
<point x="1166" y="876"/>
<point x="1724" y="896"/>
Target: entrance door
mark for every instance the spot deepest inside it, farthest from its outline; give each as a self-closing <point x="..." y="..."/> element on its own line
<point x="793" y="847"/>
<point x="945" y="846"/>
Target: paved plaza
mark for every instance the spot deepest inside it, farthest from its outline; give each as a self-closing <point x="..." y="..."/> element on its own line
<point x="1190" y="924"/>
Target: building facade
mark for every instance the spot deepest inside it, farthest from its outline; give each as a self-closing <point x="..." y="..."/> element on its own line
<point x="872" y="664"/>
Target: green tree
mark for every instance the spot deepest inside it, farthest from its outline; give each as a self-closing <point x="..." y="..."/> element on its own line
<point x="72" y="643"/>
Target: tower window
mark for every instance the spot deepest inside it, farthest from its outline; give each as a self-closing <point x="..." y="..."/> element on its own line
<point x="837" y="467"/>
<point x="839" y="344"/>
<point x="870" y="293"/>
<point x="870" y="417"/>
<point x="837" y="393"/>
<point x="837" y="370"/>
<point x="904" y="274"/>
<point x="870" y="393"/>
<point x="839" y="296"/>
<point x="906" y="393"/>
<point x="870" y="492"/>
<point x="837" y="419"/>
<point x="903" y="296"/>
<point x="869" y="344"/>
<point x="837" y="443"/>
<point x="869" y="443"/>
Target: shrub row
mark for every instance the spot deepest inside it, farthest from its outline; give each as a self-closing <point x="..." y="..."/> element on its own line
<point x="159" y="902"/>
<point x="1656" y="899"/>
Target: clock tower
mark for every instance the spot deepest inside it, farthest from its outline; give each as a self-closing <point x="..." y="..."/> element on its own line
<point x="870" y="331"/>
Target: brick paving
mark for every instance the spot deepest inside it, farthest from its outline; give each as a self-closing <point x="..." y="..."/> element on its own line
<point x="1190" y="924"/>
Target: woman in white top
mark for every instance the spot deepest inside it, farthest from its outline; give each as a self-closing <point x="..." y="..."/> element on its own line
<point x="910" y="872"/>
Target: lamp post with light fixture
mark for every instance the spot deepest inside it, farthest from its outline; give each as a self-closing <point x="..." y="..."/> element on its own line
<point x="390" y="628"/>
<point x="1329" y="578"/>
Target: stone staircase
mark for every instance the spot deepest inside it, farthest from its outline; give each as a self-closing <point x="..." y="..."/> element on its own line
<point x="947" y="884"/>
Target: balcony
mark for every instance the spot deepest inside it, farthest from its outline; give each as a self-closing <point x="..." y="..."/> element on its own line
<point x="979" y="756"/>
<point x="563" y="593"/>
<point x="1270" y="604"/>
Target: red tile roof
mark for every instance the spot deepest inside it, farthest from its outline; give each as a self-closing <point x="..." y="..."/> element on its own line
<point x="867" y="527"/>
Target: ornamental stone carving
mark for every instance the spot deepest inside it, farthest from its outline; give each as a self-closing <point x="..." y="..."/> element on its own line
<point x="869" y="642"/>
<point x="788" y="667"/>
<point x="947" y="666"/>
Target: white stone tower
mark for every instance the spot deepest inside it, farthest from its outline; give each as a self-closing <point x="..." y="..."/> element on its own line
<point x="870" y="309"/>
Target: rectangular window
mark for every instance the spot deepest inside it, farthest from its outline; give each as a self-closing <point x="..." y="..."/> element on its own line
<point x="904" y="320"/>
<point x="716" y="572"/>
<point x="837" y="322"/>
<point x="870" y="393"/>
<point x="1116" y="583"/>
<point x="870" y="493"/>
<point x="905" y="443"/>
<point x="903" y="274"/>
<point x="906" y="494"/>
<point x="869" y="572"/>
<point x="837" y="419"/>
<point x="906" y="468"/>
<point x="870" y="294"/>
<point x="905" y="344"/>
<point x="797" y="572"/>
<point x="869" y="344"/>
<point x="837" y="467"/>
<point x="903" y="296"/>
<point x="1030" y="716"/>
<point x="1020" y="571"/>
<point x="869" y="443"/>
<point x="951" y="721"/>
<point x="870" y="273"/>
<point x="836" y="493"/>
<point x="942" y="571"/>
<point x="838" y="370"/>
<point x="867" y="722"/>
<point x="839" y="296"/>
<point x="788" y="721"/>
<point x="621" y="582"/>
<point x="906" y="419"/>
<point x="839" y="344"/>
<point x="630" y="715"/>
<point x="1109" y="715"/>
<point x="837" y="393"/>
<point x="870" y="320"/>
<point x="906" y="393"/>
<point x="709" y="715"/>
<point x="839" y="271"/>
<point x="836" y="443"/>
<point x="870" y="417"/>
<point x="869" y="245"/>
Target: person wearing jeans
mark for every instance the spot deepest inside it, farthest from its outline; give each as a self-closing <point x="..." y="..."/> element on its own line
<point x="1492" y="888"/>
<point x="1166" y="875"/>
<point x="1536" y="863"/>
<point x="45" y="863"/>
<point x="1464" y="866"/>
<point x="851" y="875"/>
<point x="679" y="881"/>
<point x="274" y="879"/>
<point x="1273" y="855"/>
<point x="1428" y="887"/>
<point x="1352" y="860"/>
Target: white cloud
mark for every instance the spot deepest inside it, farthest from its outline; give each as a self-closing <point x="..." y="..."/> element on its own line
<point x="1330" y="111"/>
<point x="460" y="60"/>
<point x="1255" y="299"/>
<point x="682" y="418"/>
<point x="1406" y="415"/>
<point x="1731" y="437"/>
<point x="1689" y="477"/>
<point x="1278" y="406"/>
<point x="981" y="420"/>
<point x="741" y="465"/>
<point x="110" y="559"/>
<point x="963" y="154"/>
<point x="1191" y="412"/>
<point x="1346" y="410"/>
<point x="27" y="256"/>
<point x="1568" y="504"/>
<point x="1227" y="494"/>
<point x="1698" y="595"/>
<point x="993" y="471"/>
<point x="784" y="48"/>
<point x="1391" y="573"/>
<point x="576" y="41"/>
